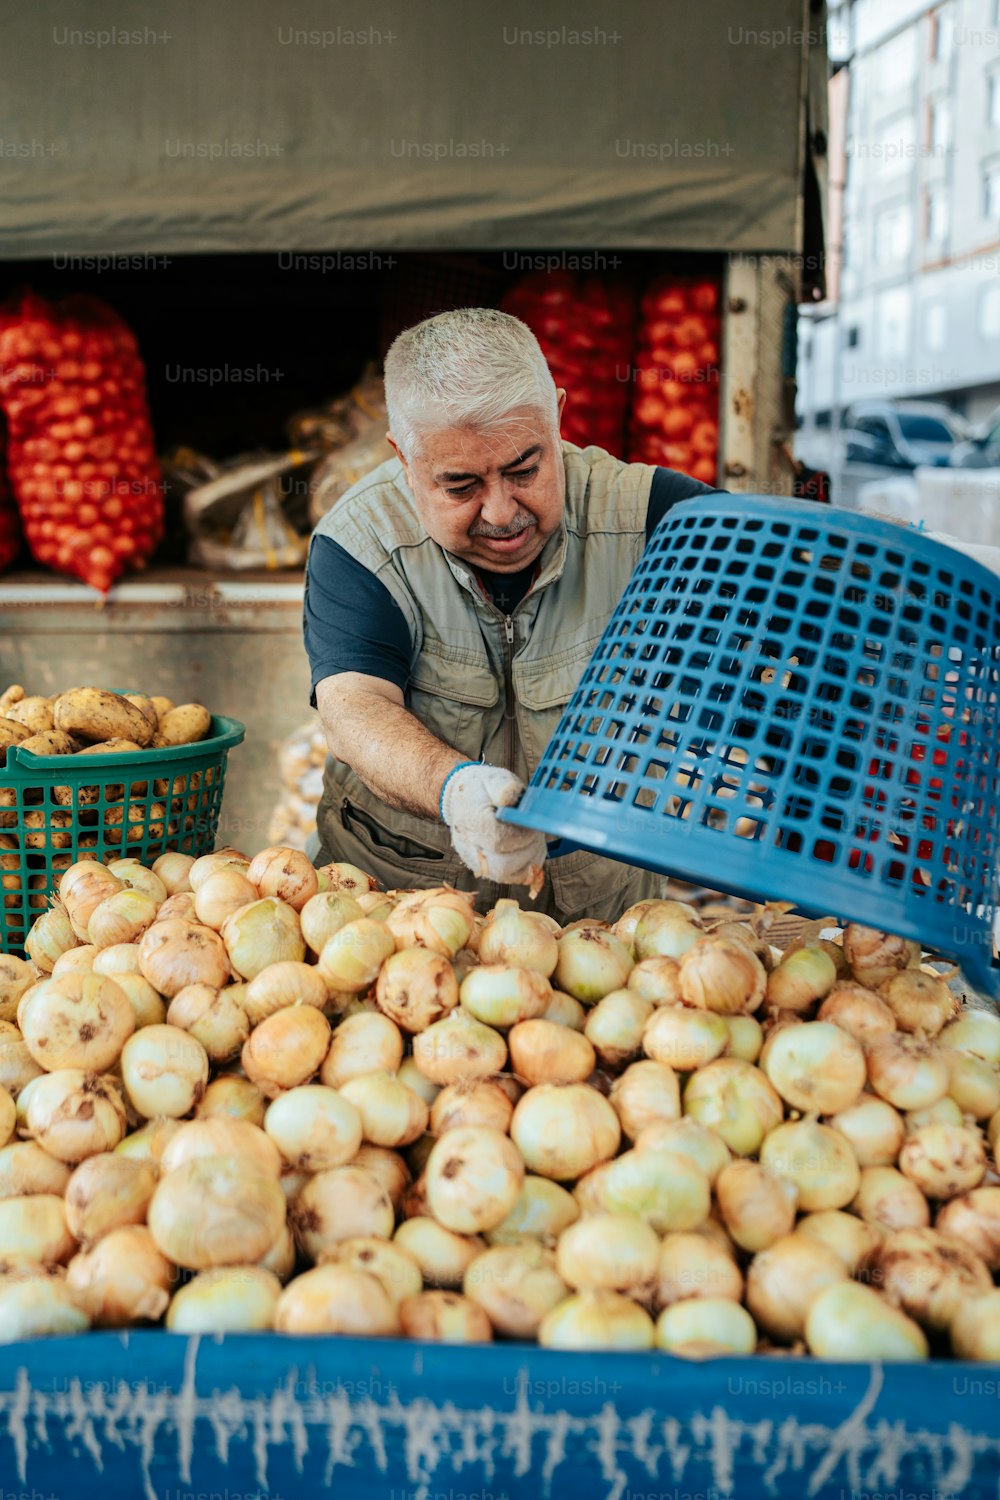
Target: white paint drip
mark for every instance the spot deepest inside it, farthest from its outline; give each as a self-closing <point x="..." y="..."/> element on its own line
<point x="438" y="1442"/>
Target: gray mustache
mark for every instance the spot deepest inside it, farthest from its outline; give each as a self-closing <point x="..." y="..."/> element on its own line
<point x="500" y="533"/>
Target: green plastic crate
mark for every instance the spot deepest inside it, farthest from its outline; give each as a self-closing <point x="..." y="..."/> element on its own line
<point x="56" y="809"/>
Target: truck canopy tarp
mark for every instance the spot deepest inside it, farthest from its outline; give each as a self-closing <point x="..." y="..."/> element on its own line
<point x="245" y="125"/>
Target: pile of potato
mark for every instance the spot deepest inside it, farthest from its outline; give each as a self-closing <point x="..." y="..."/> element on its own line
<point x="93" y="721"/>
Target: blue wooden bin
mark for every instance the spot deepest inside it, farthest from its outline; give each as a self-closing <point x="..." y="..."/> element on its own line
<point x="166" y="1417"/>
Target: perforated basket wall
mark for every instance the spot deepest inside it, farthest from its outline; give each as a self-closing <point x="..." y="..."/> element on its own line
<point x="799" y="705"/>
<point x="56" y="809"/>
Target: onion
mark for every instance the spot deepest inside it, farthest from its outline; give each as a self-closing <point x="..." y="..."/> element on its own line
<point x="149" y="1142"/>
<point x="474" y="1176"/>
<point x="668" y="1190"/>
<point x="16" y="977"/>
<point x="121" y="918"/>
<point x="375" y="904"/>
<point x="974" y="1219"/>
<point x="228" y="1299"/>
<point x="851" y="1238"/>
<point x="591" y="964"/>
<point x="973" y="1084"/>
<point x="443" y="1256"/>
<point x="815" y="1067"/>
<point x="440" y="919"/>
<point x="351" y="959"/>
<point x="17" y="1066"/>
<point x="222" y="1136"/>
<point x="263" y="932"/>
<point x="388" y="1168"/>
<point x="502" y="996"/>
<point x="214" y="1017"/>
<point x="689" y="1266"/>
<point x="909" y="1072"/>
<point x="444" y="1317"/>
<point x="876" y="956"/>
<point x="416" y="987"/>
<point x="285" y="873"/>
<point x="208" y="864"/>
<point x="609" y="1252"/>
<point x="122" y="1279"/>
<point x="515" y="1285"/>
<point x="106" y="1192"/>
<point x="51" y="936"/>
<point x="563" y="1131"/>
<point x="944" y="1160"/>
<point x="459" y="1047"/>
<point x="928" y="1275"/>
<point x="657" y="979"/>
<point x="389" y="1263"/>
<point x="784" y="1280"/>
<point x="314" y="1127"/>
<point x="391" y="1114"/>
<point x="8" y="1116"/>
<point x="624" y="928"/>
<point x="164" y="1070"/>
<point x="72" y="1114"/>
<point x="289" y="982"/>
<point x="818" y="1160"/>
<point x="77" y="1021"/>
<point x="686" y="1137"/>
<point x="944" y="1112"/>
<point x="975" y="1031"/>
<point x="120" y="958"/>
<point x="176" y="953"/>
<point x="34" y="1306"/>
<point x="721" y="974"/>
<point x="615" y="1026"/>
<point x="177" y="907"/>
<point x="746" y="1037"/>
<point x="34" y="1229"/>
<point x="683" y="1038"/>
<point x="874" y="1130"/>
<point x="133" y="874"/>
<point x="975" y="1328"/>
<point x="173" y="870"/>
<point x="757" y="1207"/>
<point x="79" y="960"/>
<point x="920" y="1002"/>
<point x="597" y="1320"/>
<point x="25" y="1168"/>
<point x="287" y="1049"/>
<point x="545" y="1052"/>
<point x="82" y="888"/>
<point x="889" y="1201"/>
<point x="147" y="1006"/>
<point x="646" y="1094"/>
<point x="336" y="1299"/>
<point x="516" y="939"/>
<point x="221" y="895"/>
<point x="858" y="1010"/>
<point x="346" y="878"/>
<point x="667" y="930"/>
<point x="340" y="1204"/>
<point x="706" y="1327"/>
<point x="216" y="1211"/>
<point x="362" y="1044"/>
<point x="232" y="1097"/>
<point x="803" y="977"/>
<point x="736" y="1100"/>
<point x="326" y="913"/>
<point x="479" y="1102"/>
<point x="542" y="1211"/>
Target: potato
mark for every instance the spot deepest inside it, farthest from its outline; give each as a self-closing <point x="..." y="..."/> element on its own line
<point x="50" y="742"/>
<point x="96" y="714"/>
<point x="184" y="725"/>
<point x="10" y="695"/>
<point x="145" y="707"/>
<point x="161" y="705"/>
<point x="56" y="822"/>
<point x="34" y="713"/>
<point x="11" y="733"/>
<point x="113" y="746"/>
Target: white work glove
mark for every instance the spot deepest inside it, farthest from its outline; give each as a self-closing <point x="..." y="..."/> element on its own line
<point x="492" y="850"/>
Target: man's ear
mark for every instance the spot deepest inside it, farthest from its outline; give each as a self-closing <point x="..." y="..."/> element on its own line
<point x="399" y="454"/>
<point x="560" y="405"/>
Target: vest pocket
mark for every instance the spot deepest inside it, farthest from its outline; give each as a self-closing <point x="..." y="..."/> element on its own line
<point x="384" y="841"/>
<point x="586" y="884"/>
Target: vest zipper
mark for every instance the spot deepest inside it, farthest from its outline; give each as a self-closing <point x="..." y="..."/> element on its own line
<point x="508" y="704"/>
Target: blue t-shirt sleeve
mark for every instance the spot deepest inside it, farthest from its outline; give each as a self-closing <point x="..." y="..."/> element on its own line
<point x="351" y="623"/>
<point x="668" y="489"/>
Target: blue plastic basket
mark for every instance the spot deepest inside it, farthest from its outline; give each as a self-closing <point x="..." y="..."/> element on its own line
<point x="795" y="704"/>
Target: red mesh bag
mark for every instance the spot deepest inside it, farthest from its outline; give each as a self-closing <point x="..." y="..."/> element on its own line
<point x="584" y="325"/>
<point x="81" y="458"/>
<point x="10" y="530"/>
<point x="675" y="408"/>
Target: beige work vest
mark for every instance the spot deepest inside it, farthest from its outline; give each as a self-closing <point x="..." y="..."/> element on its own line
<point x="491" y="685"/>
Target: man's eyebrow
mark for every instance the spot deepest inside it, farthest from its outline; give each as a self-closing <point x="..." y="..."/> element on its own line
<point x="452" y="476"/>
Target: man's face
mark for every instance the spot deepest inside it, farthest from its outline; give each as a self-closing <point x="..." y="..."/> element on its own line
<point x="492" y="497"/>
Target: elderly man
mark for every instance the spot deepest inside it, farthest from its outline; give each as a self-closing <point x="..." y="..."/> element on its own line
<point x="454" y="597"/>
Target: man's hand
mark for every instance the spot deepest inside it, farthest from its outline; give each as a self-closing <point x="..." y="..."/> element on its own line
<point x="492" y="850"/>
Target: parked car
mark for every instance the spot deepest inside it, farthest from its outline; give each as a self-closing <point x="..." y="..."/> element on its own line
<point x="879" y="438"/>
<point x="981" y="449"/>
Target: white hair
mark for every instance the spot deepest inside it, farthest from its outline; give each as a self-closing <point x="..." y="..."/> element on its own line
<point x="466" y="368"/>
